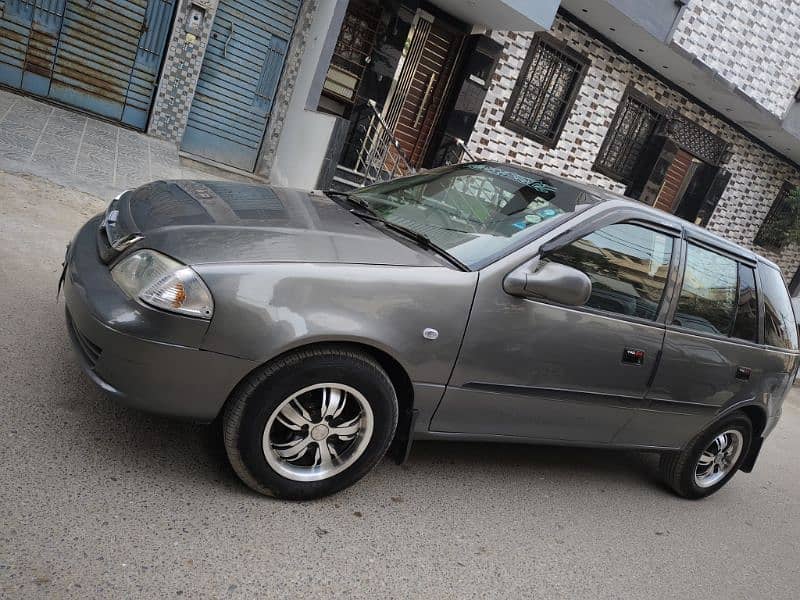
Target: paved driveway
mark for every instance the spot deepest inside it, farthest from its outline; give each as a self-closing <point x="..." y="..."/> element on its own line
<point x="100" y="501"/>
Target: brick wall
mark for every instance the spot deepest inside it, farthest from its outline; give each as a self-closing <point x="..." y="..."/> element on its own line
<point x="757" y="174"/>
<point x="733" y="37"/>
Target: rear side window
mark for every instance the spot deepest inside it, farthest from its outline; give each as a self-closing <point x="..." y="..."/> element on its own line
<point x="628" y="265"/>
<point x="745" y="326"/>
<point x="708" y="298"/>
<point x="780" y="328"/>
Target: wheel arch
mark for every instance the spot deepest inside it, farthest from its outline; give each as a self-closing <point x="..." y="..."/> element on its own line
<point x="758" y="418"/>
<point x="397" y="373"/>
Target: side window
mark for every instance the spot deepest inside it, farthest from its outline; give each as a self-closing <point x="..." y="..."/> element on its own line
<point x="745" y="325"/>
<point x="708" y="298"/>
<point x="628" y="265"/>
<point x="780" y="328"/>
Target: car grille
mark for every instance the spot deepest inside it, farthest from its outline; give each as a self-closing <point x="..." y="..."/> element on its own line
<point x="104" y="249"/>
<point x="91" y="351"/>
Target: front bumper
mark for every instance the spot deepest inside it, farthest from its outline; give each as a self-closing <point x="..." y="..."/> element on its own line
<point x="146" y="358"/>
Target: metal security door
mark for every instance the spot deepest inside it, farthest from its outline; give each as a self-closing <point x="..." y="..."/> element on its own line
<point x="422" y="81"/>
<point x="238" y="80"/>
<point x="99" y="55"/>
<point x="29" y="32"/>
<point x="103" y="63"/>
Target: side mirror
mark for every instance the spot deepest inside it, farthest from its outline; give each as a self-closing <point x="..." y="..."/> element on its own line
<point x="551" y="281"/>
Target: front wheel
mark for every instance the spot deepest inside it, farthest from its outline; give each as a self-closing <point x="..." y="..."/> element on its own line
<point x="310" y="423"/>
<point x="710" y="460"/>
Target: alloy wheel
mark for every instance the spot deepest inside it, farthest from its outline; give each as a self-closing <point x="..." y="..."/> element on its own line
<point x="317" y="432"/>
<point x="719" y="458"/>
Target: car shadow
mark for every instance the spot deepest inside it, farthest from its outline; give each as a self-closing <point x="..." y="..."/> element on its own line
<point x="554" y="462"/>
<point x="193" y="453"/>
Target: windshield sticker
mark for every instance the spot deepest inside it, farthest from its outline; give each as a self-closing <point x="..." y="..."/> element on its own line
<point x="548" y="213"/>
<point x="535" y="184"/>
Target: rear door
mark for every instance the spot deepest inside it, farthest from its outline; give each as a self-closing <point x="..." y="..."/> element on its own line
<point x="539" y="370"/>
<point x="713" y="355"/>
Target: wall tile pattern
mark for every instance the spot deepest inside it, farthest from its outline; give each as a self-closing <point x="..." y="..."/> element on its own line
<point x="751" y="44"/>
<point x="180" y="73"/>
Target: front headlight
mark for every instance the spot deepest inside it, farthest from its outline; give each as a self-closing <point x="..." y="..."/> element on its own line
<point x="164" y="283"/>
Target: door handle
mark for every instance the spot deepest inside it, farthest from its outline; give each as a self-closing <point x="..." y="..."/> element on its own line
<point x="743" y="373"/>
<point x="631" y="356"/>
<point x="228" y="40"/>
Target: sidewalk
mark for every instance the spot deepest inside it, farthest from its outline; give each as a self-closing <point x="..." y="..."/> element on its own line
<point x="78" y="151"/>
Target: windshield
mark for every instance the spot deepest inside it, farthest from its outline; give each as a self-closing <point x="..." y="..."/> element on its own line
<point x="476" y="212"/>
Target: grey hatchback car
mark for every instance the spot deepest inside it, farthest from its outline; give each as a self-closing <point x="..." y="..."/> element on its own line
<point x="480" y="302"/>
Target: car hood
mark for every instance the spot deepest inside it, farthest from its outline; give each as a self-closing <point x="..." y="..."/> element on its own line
<point x="215" y="222"/>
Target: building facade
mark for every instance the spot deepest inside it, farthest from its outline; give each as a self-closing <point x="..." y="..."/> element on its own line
<point x="706" y="169"/>
<point x="691" y="106"/>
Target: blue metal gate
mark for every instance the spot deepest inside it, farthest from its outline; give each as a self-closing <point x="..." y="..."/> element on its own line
<point x="99" y="55"/>
<point x="238" y="80"/>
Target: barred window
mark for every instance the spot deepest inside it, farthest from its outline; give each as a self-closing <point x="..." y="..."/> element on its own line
<point x="634" y="123"/>
<point x="545" y="89"/>
<point x="782" y="219"/>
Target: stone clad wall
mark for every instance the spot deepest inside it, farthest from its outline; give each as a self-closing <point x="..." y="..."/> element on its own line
<point x="757" y="174"/>
<point x="733" y="37"/>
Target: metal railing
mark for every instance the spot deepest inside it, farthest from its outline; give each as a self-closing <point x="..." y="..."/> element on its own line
<point x="451" y="151"/>
<point x="380" y="157"/>
<point x="372" y="154"/>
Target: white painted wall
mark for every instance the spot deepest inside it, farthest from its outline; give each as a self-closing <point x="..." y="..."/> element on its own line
<point x="305" y="134"/>
<point x="519" y="15"/>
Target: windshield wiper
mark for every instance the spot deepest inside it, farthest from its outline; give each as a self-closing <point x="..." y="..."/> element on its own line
<point x="367" y="212"/>
<point x="420" y="238"/>
<point x="352" y="199"/>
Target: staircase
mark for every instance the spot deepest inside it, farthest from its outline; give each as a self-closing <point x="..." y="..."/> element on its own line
<point x="372" y="154"/>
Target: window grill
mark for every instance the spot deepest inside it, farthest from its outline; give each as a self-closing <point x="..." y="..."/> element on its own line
<point x="545" y="89"/>
<point x="698" y="140"/>
<point x="782" y="216"/>
<point x="634" y="123"/>
<point x="353" y="51"/>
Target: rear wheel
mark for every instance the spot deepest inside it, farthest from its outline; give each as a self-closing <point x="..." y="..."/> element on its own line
<point x="710" y="460"/>
<point x="311" y="423"/>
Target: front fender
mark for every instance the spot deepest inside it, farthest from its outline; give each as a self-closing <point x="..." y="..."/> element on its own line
<point x="264" y="310"/>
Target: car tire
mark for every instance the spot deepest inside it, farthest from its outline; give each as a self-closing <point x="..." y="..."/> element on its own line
<point x="280" y="441"/>
<point x="706" y="463"/>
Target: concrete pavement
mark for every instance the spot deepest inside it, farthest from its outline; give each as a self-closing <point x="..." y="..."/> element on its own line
<point x="97" y="501"/>
<point x="86" y="153"/>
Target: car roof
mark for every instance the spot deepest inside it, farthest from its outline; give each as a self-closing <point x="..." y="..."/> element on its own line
<point x="691" y="231"/>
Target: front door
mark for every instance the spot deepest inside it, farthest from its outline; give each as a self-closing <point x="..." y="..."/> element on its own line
<point x="677" y="178"/>
<point x="423" y="78"/>
<point x="238" y="80"/>
<point x="538" y="370"/>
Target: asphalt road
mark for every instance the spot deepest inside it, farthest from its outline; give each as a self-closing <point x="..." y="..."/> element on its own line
<point x="100" y="501"/>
